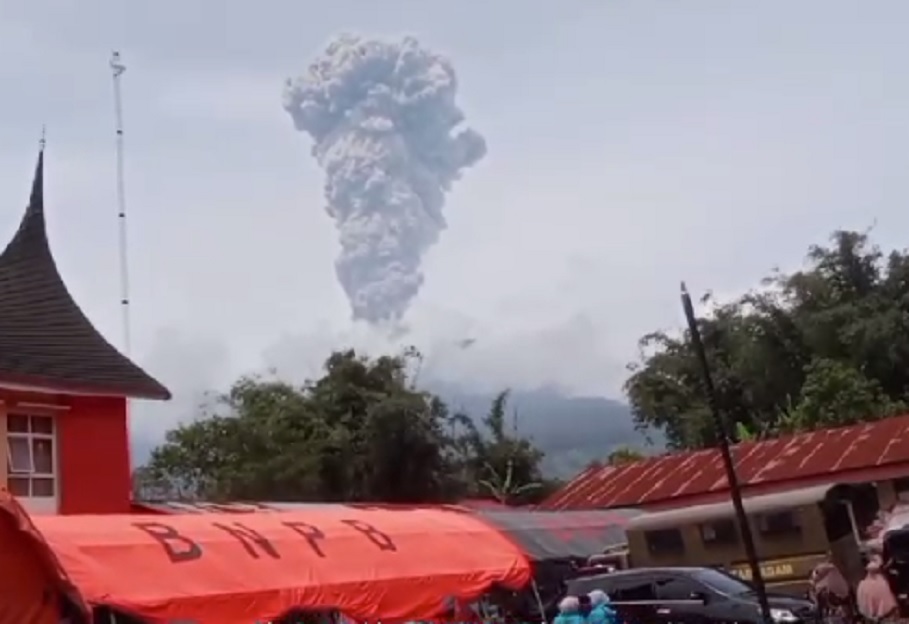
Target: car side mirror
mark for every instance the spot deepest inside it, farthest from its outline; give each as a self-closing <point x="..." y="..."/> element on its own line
<point x="699" y="596"/>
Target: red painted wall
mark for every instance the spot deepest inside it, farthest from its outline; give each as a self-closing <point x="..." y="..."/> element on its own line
<point x="94" y="456"/>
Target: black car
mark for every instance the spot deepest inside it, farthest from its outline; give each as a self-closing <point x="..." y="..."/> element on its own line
<point x="689" y="596"/>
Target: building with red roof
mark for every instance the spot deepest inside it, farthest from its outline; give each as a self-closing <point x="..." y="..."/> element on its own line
<point x="63" y="387"/>
<point x="875" y="452"/>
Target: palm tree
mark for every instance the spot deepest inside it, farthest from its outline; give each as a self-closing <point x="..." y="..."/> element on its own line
<point x="504" y="489"/>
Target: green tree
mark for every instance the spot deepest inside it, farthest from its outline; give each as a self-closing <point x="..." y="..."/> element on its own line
<point x="499" y="463"/>
<point x="624" y="455"/>
<point x="361" y="432"/>
<point x="259" y="440"/>
<point x="824" y="346"/>
<point x="835" y="393"/>
<point x="146" y="487"/>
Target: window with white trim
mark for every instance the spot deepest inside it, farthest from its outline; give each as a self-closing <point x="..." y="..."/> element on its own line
<point x="31" y="458"/>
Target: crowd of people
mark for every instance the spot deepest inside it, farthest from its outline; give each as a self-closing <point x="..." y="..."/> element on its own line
<point x="873" y="600"/>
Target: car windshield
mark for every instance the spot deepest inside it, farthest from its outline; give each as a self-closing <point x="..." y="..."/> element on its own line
<point x="723" y="582"/>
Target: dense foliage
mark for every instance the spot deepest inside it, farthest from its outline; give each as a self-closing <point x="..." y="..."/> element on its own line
<point x="624" y="455"/>
<point x="361" y="432"/>
<point x="825" y="346"/>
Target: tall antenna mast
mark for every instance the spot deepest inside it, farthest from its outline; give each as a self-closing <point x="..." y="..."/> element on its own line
<point x="117" y="68"/>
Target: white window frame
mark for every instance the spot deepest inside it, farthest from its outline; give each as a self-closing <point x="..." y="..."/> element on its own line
<point x="11" y="467"/>
<point x="39" y="503"/>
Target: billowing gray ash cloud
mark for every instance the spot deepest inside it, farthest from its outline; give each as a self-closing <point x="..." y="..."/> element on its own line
<point x="387" y="133"/>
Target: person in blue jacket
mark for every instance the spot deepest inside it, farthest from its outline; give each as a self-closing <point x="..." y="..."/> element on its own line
<point x="600" y="610"/>
<point x="569" y="612"/>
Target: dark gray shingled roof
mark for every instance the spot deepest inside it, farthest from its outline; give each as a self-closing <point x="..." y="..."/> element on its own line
<point x="45" y="339"/>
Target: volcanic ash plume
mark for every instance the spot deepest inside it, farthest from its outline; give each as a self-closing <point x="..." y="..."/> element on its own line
<point x="385" y="125"/>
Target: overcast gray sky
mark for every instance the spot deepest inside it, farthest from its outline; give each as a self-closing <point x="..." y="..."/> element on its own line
<point x="631" y="144"/>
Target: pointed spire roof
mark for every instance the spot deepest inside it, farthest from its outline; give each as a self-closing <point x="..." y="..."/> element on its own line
<point x="45" y="339"/>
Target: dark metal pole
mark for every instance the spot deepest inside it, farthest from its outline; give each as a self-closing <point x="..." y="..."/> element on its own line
<point x="731" y="477"/>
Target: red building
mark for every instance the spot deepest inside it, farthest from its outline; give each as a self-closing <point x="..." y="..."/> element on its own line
<point x="63" y="387"/>
<point x="875" y="452"/>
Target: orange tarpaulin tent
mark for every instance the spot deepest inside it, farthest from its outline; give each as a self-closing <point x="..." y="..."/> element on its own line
<point x="369" y="564"/>
<point x="27" y="580"/>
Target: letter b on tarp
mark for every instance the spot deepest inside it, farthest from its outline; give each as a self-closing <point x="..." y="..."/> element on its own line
<point x="179" y="548"/>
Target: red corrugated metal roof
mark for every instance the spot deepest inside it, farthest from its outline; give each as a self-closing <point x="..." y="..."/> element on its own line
<point x="790" y="458"/>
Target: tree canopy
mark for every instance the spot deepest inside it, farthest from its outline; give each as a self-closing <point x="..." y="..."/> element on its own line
<point x="361" y="432"/>
<point x="624" y="455"/>
<point x="821" y="347"/>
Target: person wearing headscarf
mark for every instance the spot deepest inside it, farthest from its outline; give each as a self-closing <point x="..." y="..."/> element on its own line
<point x="829" y="589"/>
<point x="601" y="612"/>
<point x="876" y="601"/>
<point x="569" y="611"/>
